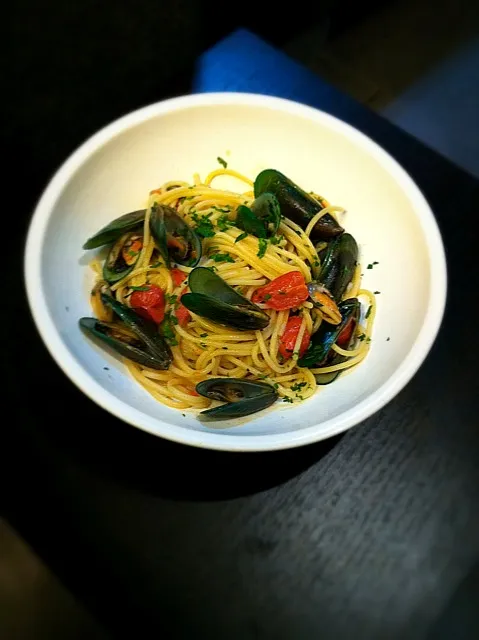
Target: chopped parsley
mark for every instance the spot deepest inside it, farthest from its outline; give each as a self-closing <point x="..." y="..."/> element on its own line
<point x="266" y="297"/>
<point x="263" y="245"/>
<point x="275" y="385"/>
<point x="106" y="368"/>
<point x="376" y="293"/>
<point x="222" y="162"/>
<point x="203" y="335"/>
<point x="222" y="257"/>
<point x="202" y="345"/>
<point x="388" y="339"/>
<point x="241" y="236"/>
<point x="156" y="265"/>
<point x="287" y="399"/>
<point x="298" y="386"/>
<point x="368" y="312"/>
<point x="133" y="289"/>
<point x="167" y="329"/>
<point x="224" y="223"/>
<point x="204" y="226"/>
<point x="275" y="239"/>
<point x="371" y="264"/>
<point x="171" y="299"/>
<point x="361" y="337"/>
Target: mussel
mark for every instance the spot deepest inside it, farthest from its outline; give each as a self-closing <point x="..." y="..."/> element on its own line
<point x="337" y="270"/>
<point x="296" y="204"/>
<point x="212" y="298"/>
<point x="242" y="397"/>
<point x="117" y="228"/>
<point x="320" y="352"/>
<point x="262" y="218"/>
<point x="174" y="237"/>
<point x="123" y="256"/>
<point x="133" y="338"/>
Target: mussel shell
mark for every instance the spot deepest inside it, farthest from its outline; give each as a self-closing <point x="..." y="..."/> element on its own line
<point x="242" y="317"/>
<point x="150" y="349"/>
<point x="296" y="204"/>
<point x="339" y="263"/>
<point x="242" y="397"/>
<point x="116" y="228"/>
<point x="249" y="222"/>
<point x="211" y="297"/>
<point x="267" y="208"/>
<point x="327" y="334"/>
<point x="335" y="358"/>
<point x="262" y="219"/>
<point x="165" y="225"/>
<point x="133" y="350"/>
<point x="115" y="268"/>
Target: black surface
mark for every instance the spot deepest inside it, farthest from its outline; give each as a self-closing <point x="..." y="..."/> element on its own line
<point x="366" y="536"/>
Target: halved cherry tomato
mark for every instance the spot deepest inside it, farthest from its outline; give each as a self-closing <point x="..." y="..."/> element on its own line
<point x="182" y="314"/>
<point x="178" y="277"/>
<point x="149" y="303"/>
<point x="285" y="292"/>
<point x="344" y="337"/>
<point x="288" y="339"/>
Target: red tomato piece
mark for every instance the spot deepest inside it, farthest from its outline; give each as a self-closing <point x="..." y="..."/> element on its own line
<point x="182" y="314"/>
<point x="288" y="339"/>
<point x="285" y="292"/>
<point x="178" y="277"/>
<point x="149" y="303"/>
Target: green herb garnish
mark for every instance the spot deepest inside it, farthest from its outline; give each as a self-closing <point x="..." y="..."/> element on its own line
<point x="222" y="257"/>
<point x="224" y="223"/>
<point x="266" y="297"/>
<point x="222" y="162"/>
<point x="203" y="335"/>
<point x="275" y="239"/>
<point x="298" y="386"/>
<point x="288" y="399"/>
<point x="263" y="245"/>
<point x="241" y="236"/>
<point x="368" y="312"/>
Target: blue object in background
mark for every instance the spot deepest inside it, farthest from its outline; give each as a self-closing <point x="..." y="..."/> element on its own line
<point x="244" y="62"/>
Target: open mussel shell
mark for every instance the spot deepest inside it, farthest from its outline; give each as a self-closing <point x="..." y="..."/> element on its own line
<point x="175" y="239"/>
<point x="296" y="204"/>
<point x="123" y="256"/>
<point x="327" y="334"/>
<point x="242" y="397"/>
<point x="115" y="229"/>
<point x="262" y="218"/>
<point x="249" y="222"/>
<point x="133" y="338"/>
<point x="338" y="265"/>
<point x="212" y="298"/>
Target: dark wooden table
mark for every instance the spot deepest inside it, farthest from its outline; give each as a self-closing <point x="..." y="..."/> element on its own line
<point x="366" y="536"/>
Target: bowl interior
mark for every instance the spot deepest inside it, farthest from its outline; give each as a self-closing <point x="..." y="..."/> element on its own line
<point x="385" y="213"/>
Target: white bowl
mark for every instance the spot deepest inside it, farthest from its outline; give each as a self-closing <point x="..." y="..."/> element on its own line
<point x="113" y="172"/>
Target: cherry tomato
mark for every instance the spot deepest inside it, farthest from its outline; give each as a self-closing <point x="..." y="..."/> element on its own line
<point x="178" y="277"/>
<point x="182" y="314"/>
<point x="344" y="337"/>
<point x="149" y="303"/>
<point x="288" y="339"/>
<point x="285" y="292"/>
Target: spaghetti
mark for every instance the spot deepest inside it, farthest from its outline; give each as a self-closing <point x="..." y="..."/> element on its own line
<point x="201" y="348"/>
